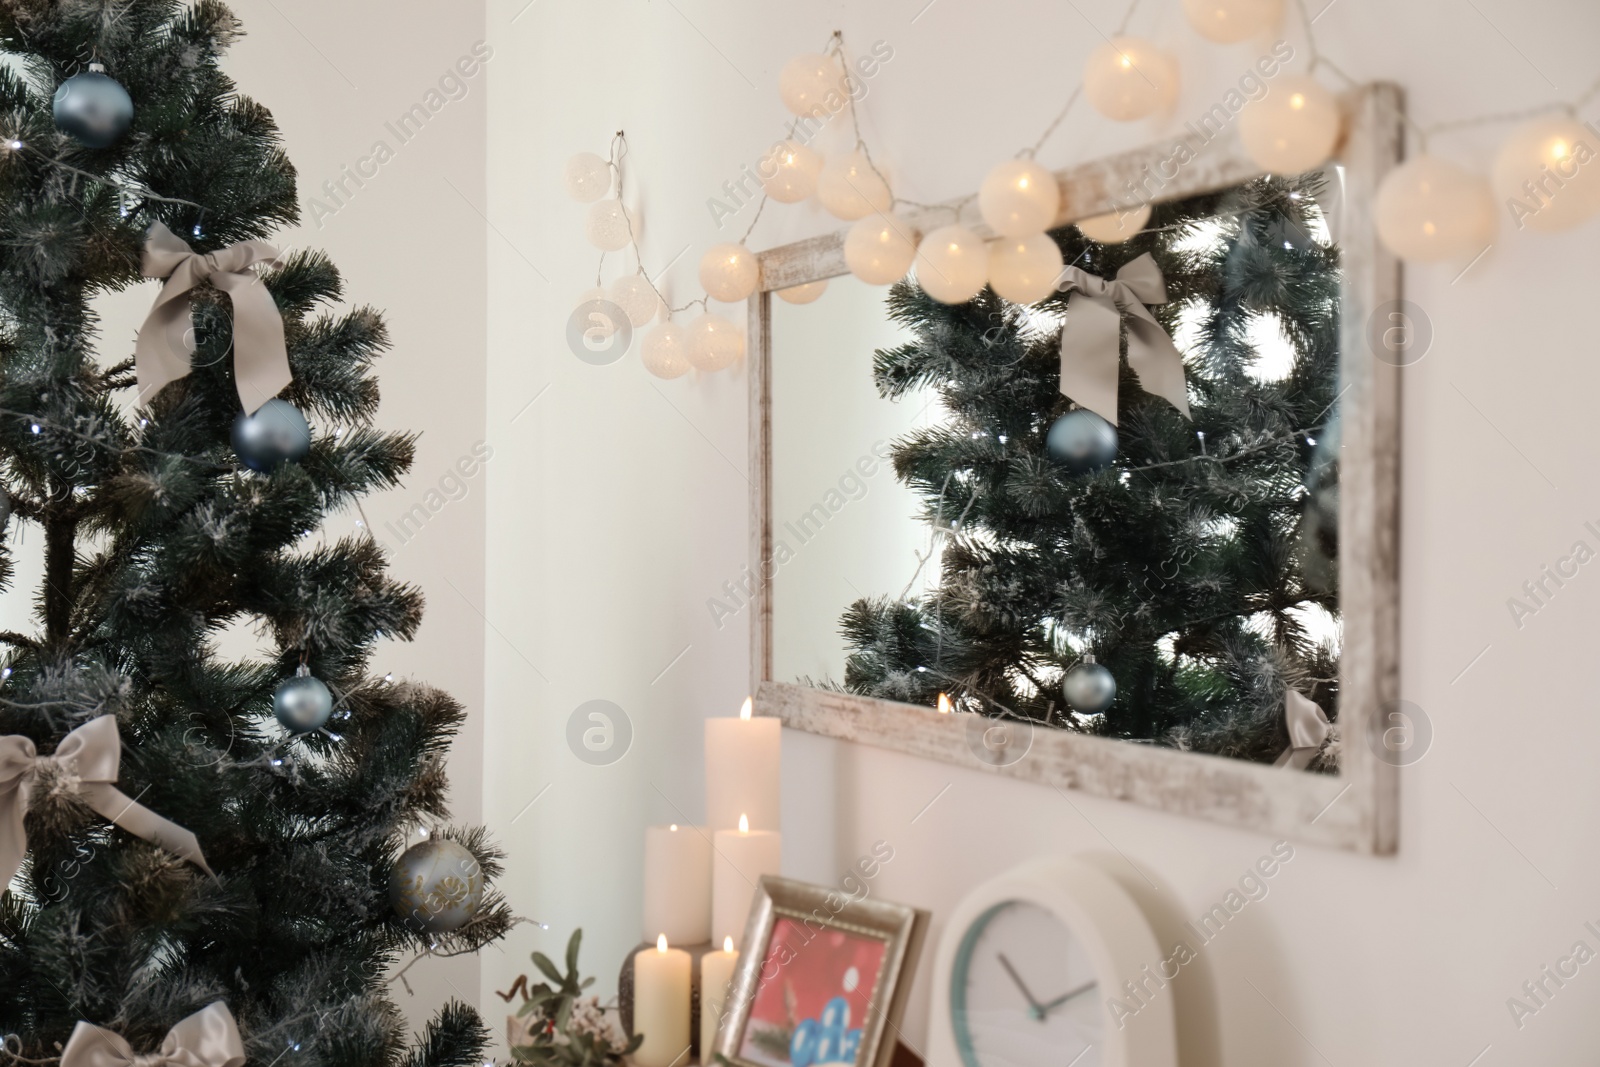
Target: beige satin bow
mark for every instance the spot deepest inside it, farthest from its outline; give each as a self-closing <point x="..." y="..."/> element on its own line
<point x="1091" y="338"/>
<point x="208" y="1038"/>
<point x="260" y="356"/>
<point x="88" y="758"/>
<point x="1308" y="729"/>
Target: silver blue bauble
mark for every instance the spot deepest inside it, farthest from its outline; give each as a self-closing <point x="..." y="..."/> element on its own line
<point x="276" y="434"/>
<point x="1089" y="688"/>
<point x="1082" y="442"/>
<point x="436" y="887"/>
<point x="92" y="109"/>
<point x="303" y="703"/>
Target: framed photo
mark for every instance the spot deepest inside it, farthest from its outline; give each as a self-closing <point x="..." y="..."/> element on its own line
<point x="822" y="978"/>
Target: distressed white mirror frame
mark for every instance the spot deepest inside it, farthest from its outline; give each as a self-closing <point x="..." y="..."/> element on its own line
<point x="1358" y="808"/>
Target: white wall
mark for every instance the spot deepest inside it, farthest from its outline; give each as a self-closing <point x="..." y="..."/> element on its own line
<point x="617" y="507"/>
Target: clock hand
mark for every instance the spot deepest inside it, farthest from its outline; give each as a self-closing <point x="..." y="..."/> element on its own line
<point x="1045" y="1009"/>
<point x="1035" y="1008"/>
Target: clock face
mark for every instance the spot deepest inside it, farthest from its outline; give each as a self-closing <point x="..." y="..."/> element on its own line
<point x="1022" y="993"/>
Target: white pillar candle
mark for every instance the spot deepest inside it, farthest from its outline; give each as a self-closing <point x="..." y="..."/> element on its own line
<point x="742" y="771"/>
<point x="661" y="1005"/>
<point x="742" y="857"/>
<point x="677" y="884"/>
<point x="716" y="972"/>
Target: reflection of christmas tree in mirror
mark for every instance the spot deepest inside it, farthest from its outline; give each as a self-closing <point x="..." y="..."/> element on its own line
<point x="1198" y="564"/>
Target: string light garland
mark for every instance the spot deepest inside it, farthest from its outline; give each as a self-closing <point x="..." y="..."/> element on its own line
<point x="1428" y="209"/>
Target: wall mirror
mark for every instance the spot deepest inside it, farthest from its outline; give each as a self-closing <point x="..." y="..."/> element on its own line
<point x="1194" y="609"/>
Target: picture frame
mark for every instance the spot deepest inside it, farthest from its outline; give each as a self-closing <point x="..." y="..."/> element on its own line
<point x="1359" y="808"/>
<point x="822" y="977"/>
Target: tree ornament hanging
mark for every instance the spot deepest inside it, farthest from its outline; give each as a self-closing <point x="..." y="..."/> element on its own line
<point x="1089" y="687"/>
<point x="436" y="887"/>
<point x="93" y="108"/>
<point x="1082" y="442"/>
<point x="276" y="434"/>
<point x="302" y="704"/>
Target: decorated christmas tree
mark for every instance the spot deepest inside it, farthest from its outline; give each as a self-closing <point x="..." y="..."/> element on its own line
<point x="200" y="850"/>
<point x="1191" y="561"/>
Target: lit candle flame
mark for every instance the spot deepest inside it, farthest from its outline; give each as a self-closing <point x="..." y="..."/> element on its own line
<point x="944" y="704"/>
<point x="661" y="943"/>
<point x="727" y="944"/>
<point x="744" y="824"/>
<point x="747" y="707"/>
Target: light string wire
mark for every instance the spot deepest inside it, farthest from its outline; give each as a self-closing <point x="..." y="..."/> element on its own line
<point x="1424" y="132"/>
<point x="619" y="152"/>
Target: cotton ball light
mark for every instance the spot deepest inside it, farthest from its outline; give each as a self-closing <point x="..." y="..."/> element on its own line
<point x="1429" y="209"/>
<point x="803" y="294"/>
<point x="808" y="81"/>
<point x="1128" y="78"/>
<point x="1231" y="21"/>
<point x="588" y="177"/>
<point x="1025" y="269"/>
<point x="1546" y="176"/>
<point x="665" y="351"/>
<point x="879" y="250"/>
<point x="1115" y="227"/>
<point x="637" y="298"/>
<point x="607" y="225"/>
<point x="714" y="343"/>
<point x="952" y="264"/>
<point x="849" y="188"/>
<point x="1019" y="197"/>
<point x="729" y="272"/>
<point x="789" y="173"/>
<point x="1292" y="129"/>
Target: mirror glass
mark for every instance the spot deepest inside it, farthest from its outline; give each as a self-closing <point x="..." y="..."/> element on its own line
<point x="948" y="524"/>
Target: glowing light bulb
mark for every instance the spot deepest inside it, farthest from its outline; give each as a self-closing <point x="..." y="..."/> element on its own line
<point x="1297" y="101"/>
<point x="661" y="942"/>
<point x="747" y="708"/>
<point x="673" y="828"/>
<point x="744" y="824"/>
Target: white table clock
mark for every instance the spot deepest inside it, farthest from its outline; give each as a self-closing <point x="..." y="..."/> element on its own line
<point x="1027" y="965"/>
